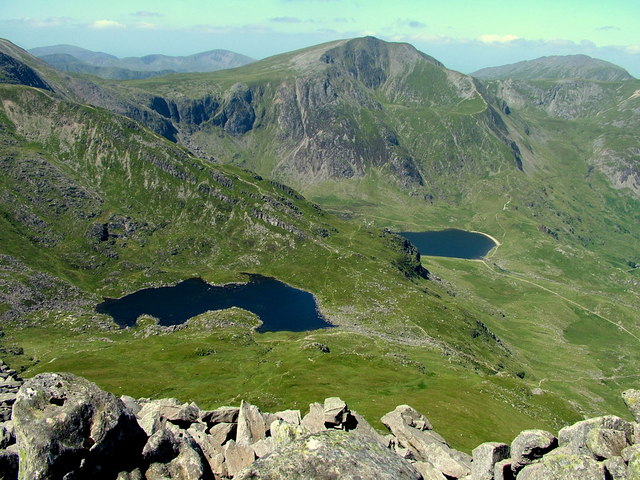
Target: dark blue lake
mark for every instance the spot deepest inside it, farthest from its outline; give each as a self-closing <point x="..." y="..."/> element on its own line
<point x="279" y="306"/>
<point x="451" y="243"/>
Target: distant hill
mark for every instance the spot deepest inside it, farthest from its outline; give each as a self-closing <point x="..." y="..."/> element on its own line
<point x="69" y="58"/>
<point x="68" y="63"/>
<point x="557" y="68"/>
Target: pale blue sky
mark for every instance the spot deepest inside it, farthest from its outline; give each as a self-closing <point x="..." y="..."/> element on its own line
<point x="464" y="34"/>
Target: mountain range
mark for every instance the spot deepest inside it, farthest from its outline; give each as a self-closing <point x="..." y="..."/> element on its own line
<point x="109" y="186"/>
<point x="70" y="58"/>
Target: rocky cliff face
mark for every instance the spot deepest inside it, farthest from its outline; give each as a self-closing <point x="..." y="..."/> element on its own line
<point x="63" y="426"/>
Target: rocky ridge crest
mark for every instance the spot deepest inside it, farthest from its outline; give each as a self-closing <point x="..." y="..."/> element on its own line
<point x="64" y="426"/>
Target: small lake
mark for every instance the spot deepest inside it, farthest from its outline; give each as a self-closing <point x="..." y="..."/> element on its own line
<point x="451" y="243"/>
<point x="279" y="306"/>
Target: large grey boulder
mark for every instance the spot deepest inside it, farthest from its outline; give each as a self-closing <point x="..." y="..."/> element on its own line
<point x="632" y="456"/>
<point x="65" y="424"/>
<point x="314" y="420"/>
<point x="485" y="457"/>
<point x="426" y="445"/>
<point x="173" y="453"/>
<point x="575" y="436"/>
<point x="237" y="456"/>
<point x="616" y="467"/>
<point x="335" y="412"/>
<point x="530" y="445"/>
<point x="251" y="426"/>
<point x="563" y="467"/>
<point x="632" y="400"/>
<point x="331" y="455"/>
<point x="606" y="442"/>
<point x="220" y="415"/>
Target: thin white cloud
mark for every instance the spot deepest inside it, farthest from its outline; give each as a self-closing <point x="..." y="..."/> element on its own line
<point x="493" y="38"/>
<point x="633" y="49"/>
<point x="146" y="14"/>
<point x="43" y="22"/>
<point x="104" y="24"/>
<point x="608" y="28"/>
<point x="147" y="26"/>
<point x="285" y="20"/>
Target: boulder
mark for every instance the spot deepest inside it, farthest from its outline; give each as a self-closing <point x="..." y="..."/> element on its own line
<point x="314" y="420"/>
<point x="605" y="442"/>
<point x="485" y="457"/>
<point x="222" y="432"/>
<point x="563" y="467"/>
<point x="283" y="433"/>
<point x="153" y="414"/>
<point x="131" y="403"/>
<point x="428" y="471"/>
<point x="237" y="457"/>
<point x="251" y="426"/>
<point x="575" y="436"/>
<point x="290" y="416"/>
<point x="632" y="457"/>
<point x="65" y="424"/>
<point x="331" y="455"/>
<point x="220" y="415"/>
<point x="334" y="412"/>
<point x="426" y="445"/>
<point x="616" y="467"/>
<point x="530" y="445"/>
<point x="632" y="400"/>
<point x="7" y="435"/>
<point x="264" y="447"/>
<point x="357" y="423"/>
<point x="134" y="474"/>
<point x="212" y="451"/>
<point x="173" y="453"/>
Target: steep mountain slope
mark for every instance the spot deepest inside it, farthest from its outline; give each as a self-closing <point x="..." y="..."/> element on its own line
<point x="345" y="110"/>
<point x="108" y="66"/>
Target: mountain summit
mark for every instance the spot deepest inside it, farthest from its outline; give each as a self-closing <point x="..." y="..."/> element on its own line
<point x="557" y="68"/>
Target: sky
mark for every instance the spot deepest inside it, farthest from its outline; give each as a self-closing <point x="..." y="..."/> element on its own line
<point x="465" y="35"/>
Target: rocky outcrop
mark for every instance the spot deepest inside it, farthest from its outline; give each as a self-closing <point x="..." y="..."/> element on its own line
<point x="66" y="427"/>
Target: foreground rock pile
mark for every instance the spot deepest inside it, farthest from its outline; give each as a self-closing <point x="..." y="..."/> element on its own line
<point x="67" y="428"/>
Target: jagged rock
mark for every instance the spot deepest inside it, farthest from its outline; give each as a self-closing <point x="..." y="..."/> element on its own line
<point x="425" y="445"/>
<point x="428" y="471"/>
<point x="212" y="451"/>
<point x="616" y="467"/>
<point x="264" y="447"/>
<point x="410" y="417"/>
<point x="251" y="427"/>
<point x="629" y="452"/>
<point x="174" y="454"/>
<point x="314" y="420"/>
<point x="153" y="414"/>
<point x="575" y="436"/>
<point x="563" y="467"/>
<point x="485" y="457"/>
<point x="357" y="423"/>
<point x="237" y="457"/>
<point x="632" y="400"/>
<point x="222" y="432"/>
<point x="503" y="470"/>
<point x="331" y="455"/>
<point x="131" y="403"/>
<point x="8" y="465"/>
<point x="283" y="433"/>
<point x="220" y="415"/>
<point x="530" y="445"/>
<point x="606" y="443"/>
<point x="268" y="418"/>
<point x="334" y="412"/>
<point x="290" y="416"/>
<point x="65" y="424"/>
<point x="633" y="462"/>
<point x="182" y="415"/>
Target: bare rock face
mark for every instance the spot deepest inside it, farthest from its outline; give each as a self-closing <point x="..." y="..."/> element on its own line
<point x="485" y="457"/>
<point x="530" y="445"/>
<point x="575" y="436"/>
<point x="66" y="425"/>
<point x="251" y="426"/>
<point x="330" y="455"/>
<point x="632" y="400"/>
<point x="563" y="467"/>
